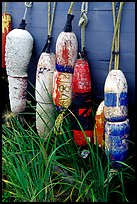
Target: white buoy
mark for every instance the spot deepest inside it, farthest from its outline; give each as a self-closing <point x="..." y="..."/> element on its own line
<point x="115" y="96"/>
<point x="43" y="92"/>
<point x="18" y="51"/>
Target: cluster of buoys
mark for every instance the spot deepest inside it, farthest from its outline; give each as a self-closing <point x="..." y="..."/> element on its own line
<point x="63" y="79"/>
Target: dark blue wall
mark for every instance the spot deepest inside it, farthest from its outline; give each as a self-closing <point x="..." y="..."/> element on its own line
<point x="99" y="32"/>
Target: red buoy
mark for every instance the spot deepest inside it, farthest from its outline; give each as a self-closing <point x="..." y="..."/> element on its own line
<point x="6" y="28"/>
<point x="81" y="101"/>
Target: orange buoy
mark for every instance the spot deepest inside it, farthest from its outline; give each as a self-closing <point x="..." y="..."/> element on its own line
<point x="6" y="28"/>
<point x="81" y="101"/>
<point x="99" y="126"/>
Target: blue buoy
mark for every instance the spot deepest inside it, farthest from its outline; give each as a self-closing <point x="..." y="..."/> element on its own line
<point x="116" y="139"/>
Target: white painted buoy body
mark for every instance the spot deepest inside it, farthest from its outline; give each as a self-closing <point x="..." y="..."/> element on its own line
<point x="43" y="93"/>
<point x="18" y="51"/>
<point x="44" y="116"/>
<point x="17" y="93"/>
<point x="44" y="77"/>
<point x="116" y="139"/>
<point x="66" y="55"/>
<point x="115" y="96"/>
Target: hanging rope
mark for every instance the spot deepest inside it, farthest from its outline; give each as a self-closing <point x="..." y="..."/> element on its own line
<point x="50" y="26"/>
<point x="83" y="22"/>
<point x="51" y="17"/>
<point x="70" y="8"/>
<point x="116" y="37"/>
<point x="28" y="5"/>
<point x="5" y="7"/>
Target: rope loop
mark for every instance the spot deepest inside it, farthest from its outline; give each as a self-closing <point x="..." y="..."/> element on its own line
<point x="28" y="4"/>
<point x="83" y="19"/>
<point x="82" y="23"/>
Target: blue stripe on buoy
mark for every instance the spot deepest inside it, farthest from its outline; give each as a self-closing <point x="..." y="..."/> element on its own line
<point x="68" y="69"/>
<point x="117" y="128"/>
<point x="116" y="138"/>
<point x="123" y="99"/>
<point x="110" y="99"/>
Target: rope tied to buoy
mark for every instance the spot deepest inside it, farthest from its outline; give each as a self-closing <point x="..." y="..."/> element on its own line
<point x="28" y="5"/>
<point x="50" y="26"/>
<point x="83" y="23"/>
<point x="23" y="22"/>
<point x="115" y="50"/>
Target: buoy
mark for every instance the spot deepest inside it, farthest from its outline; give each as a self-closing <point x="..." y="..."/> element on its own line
<point x="44" y="82"/>
<point x="81" y="90"/>
<point x="117" y="125"/>
<point x="44" y="79"/>
<point x="115" y="97"/>
<point x="99" y="128"/>
<point x="6" y="28"/>
<point x="81" y="102"/>
<point x="116" y="139"/>
<point x="66" y="55"/>
<point x="18" y="51"/>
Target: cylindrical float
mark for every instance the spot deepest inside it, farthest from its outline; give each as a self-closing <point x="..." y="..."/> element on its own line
<point x="81" y="101"/>
<point x="44" y="116"/>
<point x="115" y="97"/>
<point x="19" y="45"/>
<point x="99" y="128"/>
<point x="6" y="28"/>
<point x="116" y="139"/>
<point x="66" y="55"/>
<point x="44" y="81"/>
<point x="18" y="51"/>
<point x="17" y="93"/>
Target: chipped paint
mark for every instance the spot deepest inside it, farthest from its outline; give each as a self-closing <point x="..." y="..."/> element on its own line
<point x="115" y="96"/>
<point x="116" y="139"/>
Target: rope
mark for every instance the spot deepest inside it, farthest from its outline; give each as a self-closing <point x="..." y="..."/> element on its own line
<point x="28" y="5"/>
<point x="116" y="36"/>
<point x="58" y="123"/>
<point x="5" y="7"/>
<point x="70" y="8"/>
<point x="50" y="22"/>
<point x="83" y="22"/>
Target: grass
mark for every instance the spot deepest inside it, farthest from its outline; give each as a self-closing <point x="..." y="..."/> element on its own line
<point x="35" y="169"/>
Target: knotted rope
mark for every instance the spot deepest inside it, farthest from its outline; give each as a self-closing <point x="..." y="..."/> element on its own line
<point x="83" y="22"/>
<point x="28" y="5"/>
